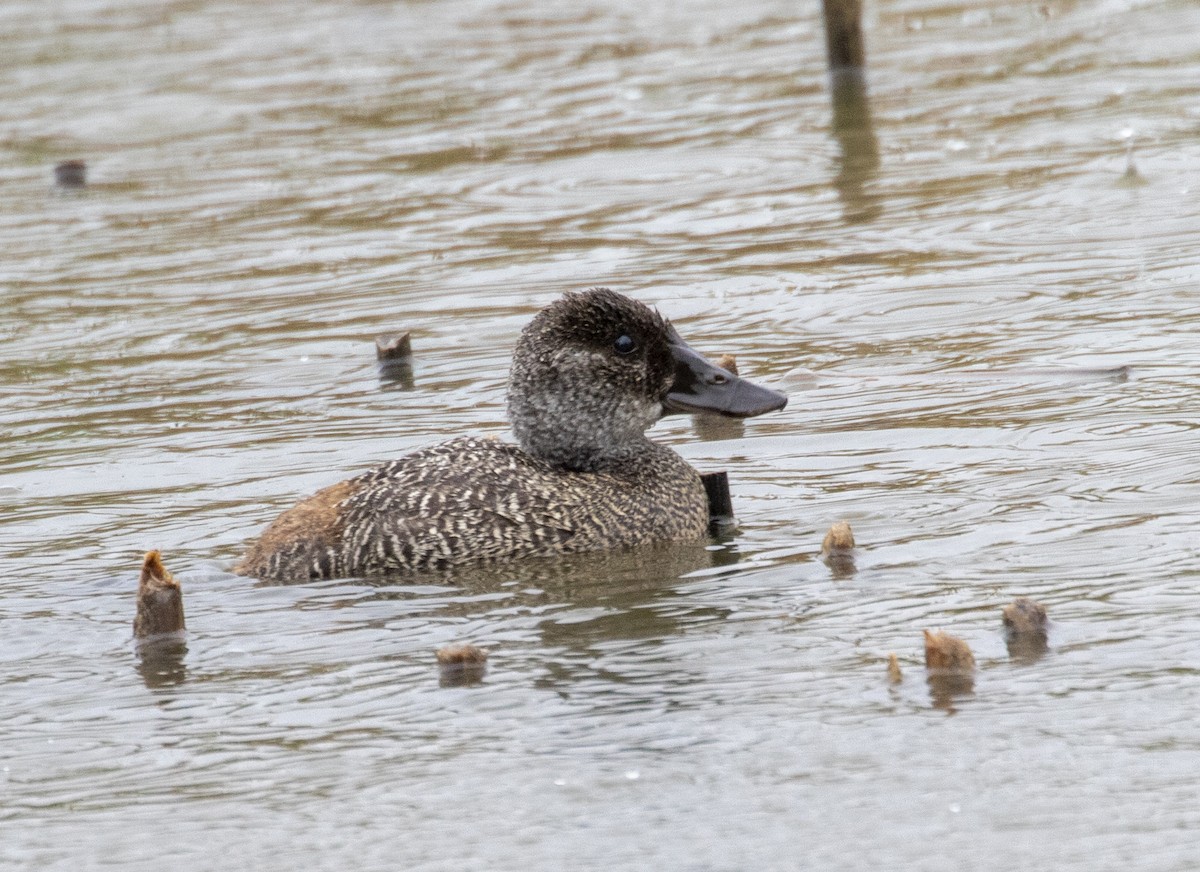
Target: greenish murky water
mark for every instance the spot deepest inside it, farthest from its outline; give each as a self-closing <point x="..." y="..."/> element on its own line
<point x="185" y="349"/>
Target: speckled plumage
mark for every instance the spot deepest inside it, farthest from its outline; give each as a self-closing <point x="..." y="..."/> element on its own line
<point x="583" y="478"/>
<point x="480" y="500"/>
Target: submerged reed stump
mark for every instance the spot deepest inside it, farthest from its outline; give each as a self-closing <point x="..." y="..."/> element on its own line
<point x="950" y="669"/>
<point x="837" y="550"/>
<point x="947" y="653"/>
<point x="71" y="174"/>
<point x="394" y="356"/>
<point x="159" y="601"/>
<point x="461" y="665"/>
<point x="839" y="538"/>
<point x="1025" y="630"/>
<point x="1024" y="617"/>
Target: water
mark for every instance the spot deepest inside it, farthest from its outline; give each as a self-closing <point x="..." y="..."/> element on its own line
<point x="187" y="350"/>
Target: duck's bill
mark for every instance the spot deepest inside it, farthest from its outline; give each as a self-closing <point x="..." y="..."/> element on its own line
<point x="702" y="387"/>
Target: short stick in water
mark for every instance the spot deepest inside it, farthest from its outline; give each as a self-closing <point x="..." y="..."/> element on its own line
<point x="159" y="602"/>
<point x="946" y="652"/>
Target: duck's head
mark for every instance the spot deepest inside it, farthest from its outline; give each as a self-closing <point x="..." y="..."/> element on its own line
<point x="595" y="369"/>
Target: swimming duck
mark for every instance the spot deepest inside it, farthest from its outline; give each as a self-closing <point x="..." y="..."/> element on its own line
<point x="590" y="374"/>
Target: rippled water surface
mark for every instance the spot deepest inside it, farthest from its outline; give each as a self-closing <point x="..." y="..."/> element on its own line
<point x="943" y="283"/>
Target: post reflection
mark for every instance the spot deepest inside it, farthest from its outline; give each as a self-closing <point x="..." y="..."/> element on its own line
<point x="162" y="661"/>
<point x="851" y="123"/>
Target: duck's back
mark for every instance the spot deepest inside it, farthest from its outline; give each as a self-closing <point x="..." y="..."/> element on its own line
<point x="477" y="500"/>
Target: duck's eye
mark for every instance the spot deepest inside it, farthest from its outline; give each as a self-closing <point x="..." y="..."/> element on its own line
<point x="624" y="344"/>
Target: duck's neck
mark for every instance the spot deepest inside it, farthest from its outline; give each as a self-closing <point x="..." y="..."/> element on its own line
<point x="562" y="416"/>
<point x="563" y="435"/>
<point x="579" y="457"/>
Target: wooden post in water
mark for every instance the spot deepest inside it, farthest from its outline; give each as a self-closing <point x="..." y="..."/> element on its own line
<point x="843" y="34"/>
<point x="720" y="504"/>
<point x="851" y="125"/>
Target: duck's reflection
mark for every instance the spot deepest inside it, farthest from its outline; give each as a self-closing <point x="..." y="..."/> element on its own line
<point x="624" y="602"/>
<point x="581" y="606"/>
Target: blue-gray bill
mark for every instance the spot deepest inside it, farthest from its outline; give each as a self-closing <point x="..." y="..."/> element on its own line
<point x="702" y="387"/>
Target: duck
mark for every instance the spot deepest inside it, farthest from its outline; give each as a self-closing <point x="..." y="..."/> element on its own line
<point x="590" y="374"/>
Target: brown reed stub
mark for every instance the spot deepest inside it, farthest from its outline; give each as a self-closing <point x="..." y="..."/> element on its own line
<point x="1025" y="617"/>
<point x="1026" y="633"/>
<point x="950" y="670"/>
<point x="461" y="665"/>
<point x="71" y="174"/>
<point x="947" y="653"/>
<point x="159" y="601"/>
<point x="728" y="363"/>
<point x="839" y="539"/>
<point x="461" y="655"/>
<point x="392" y="347"/>
<point x="393" y="354"/>
<point x="895" y="676"/>
<point x="837" y="550"/>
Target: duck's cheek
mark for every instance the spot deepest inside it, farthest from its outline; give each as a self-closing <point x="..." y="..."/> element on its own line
<point x="622" y="418"/>
<point x="644" y="413"/>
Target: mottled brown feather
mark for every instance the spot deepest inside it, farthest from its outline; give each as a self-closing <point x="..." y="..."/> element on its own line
<point x="306" y="530"/>
<point x="477" y="500"/>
